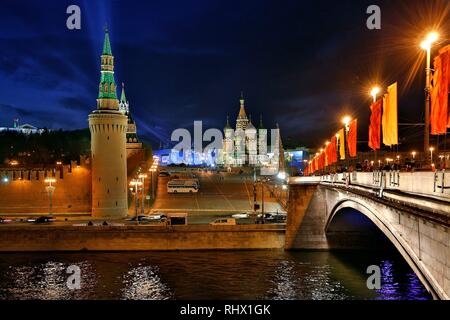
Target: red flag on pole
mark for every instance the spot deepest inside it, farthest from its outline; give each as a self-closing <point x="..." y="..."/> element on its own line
<point x="331" y="151"/>
<point x="439" y="117"/>
<point x="352" y="133"/>
<point x="375" y="125"/>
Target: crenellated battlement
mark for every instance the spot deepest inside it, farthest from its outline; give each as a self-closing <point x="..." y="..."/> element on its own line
<point x="59" y="172"/>
<point x="23" y="190"/>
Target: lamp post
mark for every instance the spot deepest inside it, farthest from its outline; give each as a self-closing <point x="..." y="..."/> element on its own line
<point x="346" y="121"/>
<point x="135" y="184"/>
<point x="426" y="45"/>
<point x="431" y="154"/>
<point x="142" y="176"/>
<point x="374" y="92"/>
<point x="327" y="162"/>
<point x="50" y="189"/>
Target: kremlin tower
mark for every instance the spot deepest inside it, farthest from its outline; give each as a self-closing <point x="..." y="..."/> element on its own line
<point x="133" y="143"/>
<point x="108" y="127"/>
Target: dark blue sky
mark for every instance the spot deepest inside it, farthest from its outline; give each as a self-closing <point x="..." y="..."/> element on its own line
<point x="302" y="64"/>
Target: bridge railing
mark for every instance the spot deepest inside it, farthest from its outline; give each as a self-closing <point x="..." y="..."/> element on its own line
<point x="435" y="184"/>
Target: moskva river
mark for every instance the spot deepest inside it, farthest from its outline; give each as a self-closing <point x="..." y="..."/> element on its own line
<point x="208" y="275"/>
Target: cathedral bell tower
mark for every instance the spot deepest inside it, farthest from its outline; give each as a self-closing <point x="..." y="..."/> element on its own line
<point x="108" y="127"/>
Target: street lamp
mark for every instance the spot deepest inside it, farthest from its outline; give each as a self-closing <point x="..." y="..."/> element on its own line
<point x="413" y="155"/>
<point x="142" y="176"/>
<point x="374" y="92"/>
<point x="346" y="121"/>
<point x="50" y="189"/>
<point x="426" y="45"/>
<point x="135" y="184"/>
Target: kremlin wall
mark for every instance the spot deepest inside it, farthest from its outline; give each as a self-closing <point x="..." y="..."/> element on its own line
<point x="24" y="191"/>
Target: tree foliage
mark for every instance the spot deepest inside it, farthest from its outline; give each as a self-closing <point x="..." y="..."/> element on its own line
<point x="44" y="148"/>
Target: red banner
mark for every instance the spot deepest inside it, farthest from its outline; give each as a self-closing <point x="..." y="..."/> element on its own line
<point x="439" y="116"/>
<point x="375" y="125"/>
<point x="331" y="151"/>
<point x="352" y="133"/>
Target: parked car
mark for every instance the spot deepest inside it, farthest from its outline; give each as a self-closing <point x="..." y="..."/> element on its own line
<point x="273" y="217"/>
<point x="157" y="217"/>
<point x="243" y="215"/>
<point x="224" y="221"/>
<point x="42" y="219"/>
<point x="3" y="220"/>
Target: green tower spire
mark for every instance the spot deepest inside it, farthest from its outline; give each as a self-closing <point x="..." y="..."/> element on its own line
<point x="107" y="97"/>
<point x="107" y="44"/>
<point x="122" y="96"/>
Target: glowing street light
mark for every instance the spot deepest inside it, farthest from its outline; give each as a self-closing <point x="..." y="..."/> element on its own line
<point x="426" y="45"/>
<point x="428" y="41"/>
<point x="413" y="155"/>
<point x="431" y="154"/>
<point x="135" y="184"/>
<point x="142" y="176"/>
<point x="346" y="120"/>
<point x="50" y="189"/>
<point x="281" y="175"/>
<point x="374" y="92"/>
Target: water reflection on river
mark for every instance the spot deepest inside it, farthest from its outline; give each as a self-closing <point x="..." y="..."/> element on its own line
<point x="207" y="275"/>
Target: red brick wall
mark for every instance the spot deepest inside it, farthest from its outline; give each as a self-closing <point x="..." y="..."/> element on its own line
<point x="23" y="195"/>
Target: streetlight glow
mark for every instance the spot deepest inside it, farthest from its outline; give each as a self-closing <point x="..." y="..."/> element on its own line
<point x="431" y="37"/>
<point x="281" y="175"/>
<point x="374" y="92"/>
<point x="346" y="120"/>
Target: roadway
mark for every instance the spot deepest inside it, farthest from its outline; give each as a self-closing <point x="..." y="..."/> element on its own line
<point x="221" y="194"/>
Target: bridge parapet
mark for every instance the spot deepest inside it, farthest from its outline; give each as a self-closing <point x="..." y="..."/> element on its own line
<point x="431" y="184"/>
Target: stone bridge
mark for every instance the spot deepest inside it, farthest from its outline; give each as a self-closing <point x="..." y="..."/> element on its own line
<point x="412" y="211"/>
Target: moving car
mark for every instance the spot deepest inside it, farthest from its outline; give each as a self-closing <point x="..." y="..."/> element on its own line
<point x="224" y="222"/>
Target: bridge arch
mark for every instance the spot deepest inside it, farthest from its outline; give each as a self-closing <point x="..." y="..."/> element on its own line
<point x="391" y="233"/>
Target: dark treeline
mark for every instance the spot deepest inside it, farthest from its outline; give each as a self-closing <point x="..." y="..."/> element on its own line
<point x="45" y="148"/>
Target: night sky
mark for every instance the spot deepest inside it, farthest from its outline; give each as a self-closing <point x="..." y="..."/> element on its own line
<point x="302" y="64"/>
